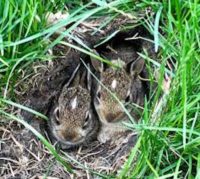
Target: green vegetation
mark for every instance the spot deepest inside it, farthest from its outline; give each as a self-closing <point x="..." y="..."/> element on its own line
<point x="168" y="146"/>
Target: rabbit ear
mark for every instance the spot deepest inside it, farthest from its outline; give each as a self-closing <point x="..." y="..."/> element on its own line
<point x="89" y="78"/>
<point x="137" y="66"/>
<point x="75" y="78"/>
<point x="98" y="66"/>
<point x="85" y="78"/>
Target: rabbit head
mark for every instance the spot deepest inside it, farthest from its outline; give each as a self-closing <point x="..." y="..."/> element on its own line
<point x="123" y="83"/>
<point x="73" y="121"/>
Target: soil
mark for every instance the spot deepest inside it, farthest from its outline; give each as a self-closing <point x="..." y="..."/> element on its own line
<point x="22" y="155"/>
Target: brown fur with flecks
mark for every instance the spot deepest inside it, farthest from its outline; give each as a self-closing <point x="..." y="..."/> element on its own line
<point x="110" y="106"/>
<point x="122" y="84"/>
<point x="73" y="121"/>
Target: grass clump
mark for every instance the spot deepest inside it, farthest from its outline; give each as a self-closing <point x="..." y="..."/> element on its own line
<point x="169" y="147"/>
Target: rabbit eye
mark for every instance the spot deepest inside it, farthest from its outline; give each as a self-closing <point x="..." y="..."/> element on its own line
<point x="99" y="95"/>
<point x="57" y="115"/>
<point x="127" y="99"/>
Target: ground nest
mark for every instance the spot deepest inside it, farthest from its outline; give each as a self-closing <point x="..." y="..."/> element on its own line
<point x="22" y="154"/>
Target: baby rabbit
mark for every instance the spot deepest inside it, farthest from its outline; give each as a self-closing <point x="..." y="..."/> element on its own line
<point x="126" y="86"/>
<point x="73" y="121"/>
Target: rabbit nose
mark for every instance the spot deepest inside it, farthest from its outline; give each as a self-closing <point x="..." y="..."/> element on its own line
<point x="71" y="136"/>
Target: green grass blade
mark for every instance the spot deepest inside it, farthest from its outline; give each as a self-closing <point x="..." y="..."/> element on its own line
<point x="156" y="29"/>
<point x="24" y="108"/>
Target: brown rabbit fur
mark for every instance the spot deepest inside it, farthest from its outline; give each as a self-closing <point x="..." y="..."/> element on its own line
<point x="125" y="84"/>
<point x="73" y="121"/>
